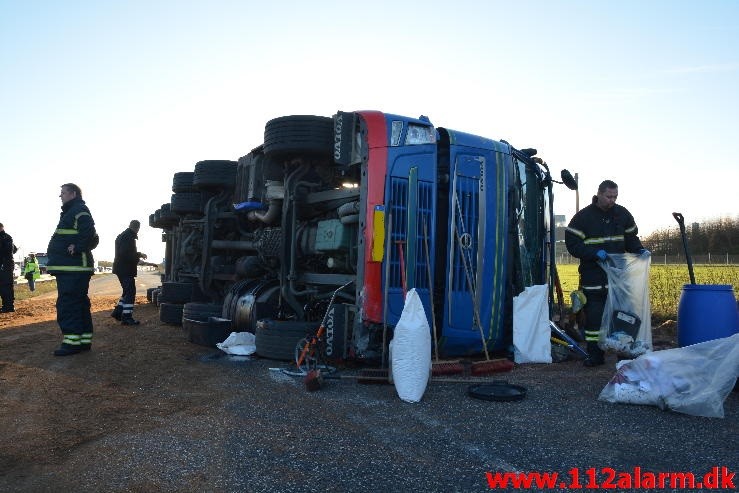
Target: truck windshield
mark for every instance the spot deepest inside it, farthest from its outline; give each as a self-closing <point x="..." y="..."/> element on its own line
<point x="530" y="208"/>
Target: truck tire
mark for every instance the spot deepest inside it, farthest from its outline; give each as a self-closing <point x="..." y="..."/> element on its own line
<point x="210" y="175"/>
<point x="175" y="292"/>
<point x="187" y="203"/>
<point x="208" y="333"/>
<point x="167" y="217"/>
<point x="249" y="301"/>
<point x="155" y="296"/>
<point x="299" y="134"/>
<point x="277" y="339"/>
<point x="149" y="292"/>
<point x="182" y="182"/>
<point x="170" y="313"/>
<point x="155" y="220"/>
<point x="201" y="312"/>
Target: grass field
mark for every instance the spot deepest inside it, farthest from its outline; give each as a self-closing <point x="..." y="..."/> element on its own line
<point x="22" y="292"/>
<point x="665" y="284"/>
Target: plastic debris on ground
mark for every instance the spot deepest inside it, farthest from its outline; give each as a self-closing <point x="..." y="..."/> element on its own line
<point x="692" y="380"/>
<point x="623" y="344"/>
<point x="238" y="343"/>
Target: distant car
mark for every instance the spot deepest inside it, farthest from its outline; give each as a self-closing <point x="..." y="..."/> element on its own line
<point x="16" y="271"/>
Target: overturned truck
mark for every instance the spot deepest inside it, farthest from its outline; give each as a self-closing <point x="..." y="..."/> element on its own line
<point x="337" y="217"/>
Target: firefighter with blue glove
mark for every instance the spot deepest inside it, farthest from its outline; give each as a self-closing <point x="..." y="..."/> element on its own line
<point x="71" y="262"/>
<point x="599" y="229"/>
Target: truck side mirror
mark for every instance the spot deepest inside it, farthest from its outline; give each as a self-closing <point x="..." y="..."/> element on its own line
<point x="568" y="180"/>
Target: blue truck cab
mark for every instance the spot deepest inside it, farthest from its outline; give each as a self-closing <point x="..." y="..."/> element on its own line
<point x="467" y="224"/>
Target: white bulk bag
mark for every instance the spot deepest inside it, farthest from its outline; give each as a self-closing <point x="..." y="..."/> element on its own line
<point x="531" y="331"/>
<point x="410" y="350"/>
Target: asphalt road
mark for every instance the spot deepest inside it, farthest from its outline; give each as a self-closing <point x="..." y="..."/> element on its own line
<point x="106" y="284"/>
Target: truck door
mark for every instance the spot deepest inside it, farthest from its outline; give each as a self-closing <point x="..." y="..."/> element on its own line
<point x="475" y="285"/>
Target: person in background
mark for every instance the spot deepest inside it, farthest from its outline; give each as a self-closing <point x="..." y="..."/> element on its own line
<point x="599" y="229"/>
<point x="71" y="262"/>
<point x="7" y="264"/>
<point x="125" y="267"/>
<point x="31" y="271"/>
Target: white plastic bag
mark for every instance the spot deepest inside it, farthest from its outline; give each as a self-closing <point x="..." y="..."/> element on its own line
<point x="531" y="331"/>
<point x="238" y="343"/>
<point x="626" y="328"/>
<point x="692" y="380"/>
<point x="410" y="350"/>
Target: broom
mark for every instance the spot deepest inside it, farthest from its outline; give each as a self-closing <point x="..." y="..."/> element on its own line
<point x="437" y="367"/>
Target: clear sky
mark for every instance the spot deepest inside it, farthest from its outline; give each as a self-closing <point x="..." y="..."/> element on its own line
<point x="119" y="96"/>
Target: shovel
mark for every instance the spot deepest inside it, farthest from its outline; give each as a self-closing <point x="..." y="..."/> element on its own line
<point x="681" y="222"/>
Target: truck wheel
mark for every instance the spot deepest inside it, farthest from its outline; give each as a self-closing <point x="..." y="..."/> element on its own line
<point x="182" y="182"/>
<point x="277" y="339"/>
<point x="149" y="292"/>
<point x="208" y="333"/>
<point x="187" y="203"/>
<point x="210" y="175"/>
<point x="155" y="221"/>
<point x="299" y="134"/>
<point x="167" y="217"/>
<point x="249" y="301"/>
<point x="170" y="313"/>
<point x="155" y="296"/>
<point x="201" y="312"/>
<point x="175" y="292"/>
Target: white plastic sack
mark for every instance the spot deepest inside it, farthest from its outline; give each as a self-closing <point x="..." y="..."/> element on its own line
<point x="531" y="331"/>
<point x="692" y="380"/>
<point x="410" y="350"/>
<point x="627" y="303"/>
<point x="238" y="343"/>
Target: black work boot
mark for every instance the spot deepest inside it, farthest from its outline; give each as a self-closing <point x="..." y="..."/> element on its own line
<point x="595" y="355"/>
<point x="66" y="350"/>
<point x="128" y="320"/>
<point x="117" y="312"/>
<point x="85" y="347"/>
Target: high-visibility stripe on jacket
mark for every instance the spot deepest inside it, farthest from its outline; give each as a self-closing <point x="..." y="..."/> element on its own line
<point x="594" y="229"/>
<point x="76" y="227"/>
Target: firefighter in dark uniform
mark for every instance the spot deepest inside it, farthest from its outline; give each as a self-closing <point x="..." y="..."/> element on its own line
<point x="125" y="267"/>
<point x="7" y="264"/>
<point x="601" y="228"/>
<point x="70" y="260"/>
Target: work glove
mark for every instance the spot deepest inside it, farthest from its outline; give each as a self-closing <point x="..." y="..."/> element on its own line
<point x="602" y="255"/>
<point x="645" y="252"/>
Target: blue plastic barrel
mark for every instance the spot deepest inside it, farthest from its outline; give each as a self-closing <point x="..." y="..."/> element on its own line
<point x="706" y="312"/>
